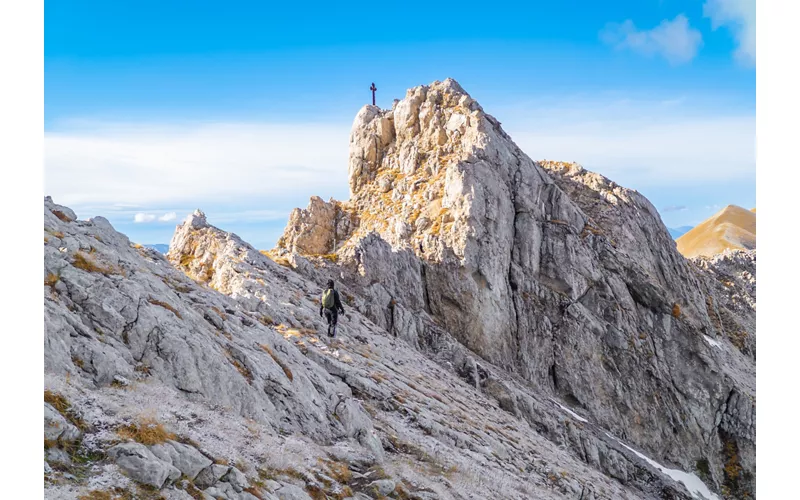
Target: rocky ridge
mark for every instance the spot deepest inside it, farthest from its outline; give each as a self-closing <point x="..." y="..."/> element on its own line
<point x="221" y="388"/>
<point x="546" y="270"/>
<point x="202" y="375"/>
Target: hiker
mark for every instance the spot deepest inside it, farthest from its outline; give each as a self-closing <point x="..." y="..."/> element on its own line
<point x="330" y="307"/>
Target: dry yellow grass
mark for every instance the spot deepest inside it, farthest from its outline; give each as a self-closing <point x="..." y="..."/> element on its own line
<point x="266" y="320"/>
<point x="281" y="261"/>
<point x="732" y="227"/>
<point x="243" y="370"/>
<point x="219" y="312"/>
<point x="61" y="215"/>
<point x="62" y="406"/>
<point x="332" y="257"/>
<point x="141" y="492"/>
<point x="146" y="430"/>
<point x="51" y="280"/>
<point x="186" y="259"/>
<point x="280" y="363"/>
<point x="166" y="306"/>
<point x="57" y="401"/>
<point x="97" y="495"/>
<point x="339" y="471"/>
<point x="86" y="262"/>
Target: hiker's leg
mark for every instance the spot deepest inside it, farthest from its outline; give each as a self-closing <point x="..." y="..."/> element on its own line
<point x="334" y="321"/>
<point x="328" y="318"/>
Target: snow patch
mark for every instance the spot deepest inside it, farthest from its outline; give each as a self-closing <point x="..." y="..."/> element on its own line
<point x="712" y="342"/>
<point x="572" y="413"/>
<point x="694" y="484"/>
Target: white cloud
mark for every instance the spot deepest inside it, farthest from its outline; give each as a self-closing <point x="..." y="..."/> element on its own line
<point x="195" y="165"/>
<point x="255" y="173"/>
<point x="639" y="143"/>
<point x="674" y="40"/>
<point x="140" y="218"/>
<point x="740" y="17"/>
<point x="143" y="218"/>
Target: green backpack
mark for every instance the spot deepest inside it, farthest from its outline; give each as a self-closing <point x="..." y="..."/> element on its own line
<point x="328" y="300"/>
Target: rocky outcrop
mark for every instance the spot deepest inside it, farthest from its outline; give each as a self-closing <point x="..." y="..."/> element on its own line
<point x="552" y="273"/>
<point x="318" y="229"/>
<point x="233" y="369"/>
<point x="183" y="457"/>
<point x="57" y="428"/>
<point x="731" y="279"/>
<point x="142" y="465"/>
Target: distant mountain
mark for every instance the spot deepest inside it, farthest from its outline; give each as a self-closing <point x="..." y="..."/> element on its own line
<point x="677" y="232"/>
<point x="731" y="227"/>
<point x="160" y="247"/>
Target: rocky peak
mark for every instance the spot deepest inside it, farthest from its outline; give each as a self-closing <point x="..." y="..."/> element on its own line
<point x="197" y="219"/>
<point x="412" y="167"/>
<point x="545" y="269"/>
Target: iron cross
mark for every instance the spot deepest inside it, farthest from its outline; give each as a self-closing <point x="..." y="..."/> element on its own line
<point x="373" y="88"/>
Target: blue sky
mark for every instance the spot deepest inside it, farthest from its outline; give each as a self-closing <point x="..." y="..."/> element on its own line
<point x="153" y="109"/>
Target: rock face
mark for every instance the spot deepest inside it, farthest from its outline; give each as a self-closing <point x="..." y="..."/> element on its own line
<point x="310" y="231"/>
<point x="546" y="270"/>
<point x="231" y="365"/>
<point x="731" y="275"/>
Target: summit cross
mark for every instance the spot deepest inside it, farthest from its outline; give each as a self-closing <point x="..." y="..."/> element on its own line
<point x="373" y="88"/>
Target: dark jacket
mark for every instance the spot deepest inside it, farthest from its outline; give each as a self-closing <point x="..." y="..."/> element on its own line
<point x="337" y="303"/>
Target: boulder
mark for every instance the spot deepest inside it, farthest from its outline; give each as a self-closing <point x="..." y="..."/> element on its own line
<point x="141" y="465"/>
<point x="57" y="428"/>
<point x="236" y="478"/>
<point x="210" y="475"/>
<point x="184" y="457"/>
<point x="291" y="492"/>
<point x="382" y="486"/>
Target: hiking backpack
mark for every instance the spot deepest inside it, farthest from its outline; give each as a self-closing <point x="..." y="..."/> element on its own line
<point x="328" y="299"/>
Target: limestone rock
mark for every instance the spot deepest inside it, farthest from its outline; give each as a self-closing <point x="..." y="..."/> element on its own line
<point x="291" y="492"/>
<point x="260" y="377"/>
<point x="318" y="229"/>
<point x="210" y="475"/>
<point x="382" y="486"/>
<point x="184" y="457"/>
<point x="57" y="428"/>
<point x="549" y="271"/>
<point x="141" y="465"/>
<point x="236" y="479"/>
<point x="731" y="279"/>
<point x="57" y="456"/>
